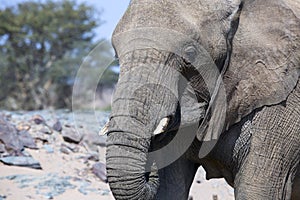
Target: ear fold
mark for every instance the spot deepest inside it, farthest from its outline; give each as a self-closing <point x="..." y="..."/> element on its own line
<point x="265" y="60"/>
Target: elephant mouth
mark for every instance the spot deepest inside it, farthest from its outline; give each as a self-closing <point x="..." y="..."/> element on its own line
<point x="167" y="132"/>
<point x="185" y="116"/>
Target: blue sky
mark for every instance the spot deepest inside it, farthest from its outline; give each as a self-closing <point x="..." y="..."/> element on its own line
<point x="112" y="12"/>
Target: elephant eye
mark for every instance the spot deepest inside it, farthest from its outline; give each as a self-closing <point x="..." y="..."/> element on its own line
<point x="190" y="53"/>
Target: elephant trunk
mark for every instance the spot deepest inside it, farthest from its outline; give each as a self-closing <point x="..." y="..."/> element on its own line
<point x="146" y="93"/>
<point x="126" y="161"/>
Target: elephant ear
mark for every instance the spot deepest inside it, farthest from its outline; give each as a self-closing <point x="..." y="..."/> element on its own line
<point x="265" y="59"/>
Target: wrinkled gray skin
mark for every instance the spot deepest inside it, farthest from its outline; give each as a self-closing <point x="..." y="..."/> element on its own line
<point x="257" y="43"/>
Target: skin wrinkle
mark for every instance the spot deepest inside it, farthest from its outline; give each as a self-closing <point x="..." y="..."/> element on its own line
<point x="275" y="68"/>
<point x="287" y="154"/>
<point x="256" y="85"/>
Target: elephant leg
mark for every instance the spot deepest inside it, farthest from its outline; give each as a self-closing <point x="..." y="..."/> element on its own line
<point x="176" y="179"/>
<point x="296" y="186"/>
<point x="268" y="170"/>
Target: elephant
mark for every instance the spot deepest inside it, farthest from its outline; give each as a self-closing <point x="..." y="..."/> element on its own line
<point x="206" y="83"/>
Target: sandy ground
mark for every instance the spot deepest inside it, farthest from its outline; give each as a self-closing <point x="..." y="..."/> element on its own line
<point x="69" y="176"/>
<point x="63" y="166"/>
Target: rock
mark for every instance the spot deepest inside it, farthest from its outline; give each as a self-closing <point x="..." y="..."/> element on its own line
<point x="2" y="148"/>
<point x="104" y="192"/>
<point x="65" y="150"/>
<point x="49" y="196"/>
<point x="2" y="197"/>
<point x="82" y="191"/>
<point x="93" y="156"/>
<point x="71" y="135"/>
<point x="41" y="137"/>
<point x="191" y="198"/>
<point x="72" y="147"/>
<point x="21" y="162"/>
<point x="85" y="188"/>
<point x="38" y="119"/>
<point x="68" y="125"/>
<point x="91" y="141"/>
<point x="48" y="148"/>
<point x="95" y="139"/>
<point x="49" y="185"/>
<point x="99" y="169"/>
<point x="46" y="130"/>
<point x="215" y="197"/>
<point x="23" y="127"/>
<point x="9" y="137"/>
<point x="38" y="133"/>
<point x="82" y="172"/>
<point x="25" y="154"/>
<point x="53" y="185"/>
<point x="27" y="140"/>
<point x="57" y="126"/>
<point x="40" y="128"/>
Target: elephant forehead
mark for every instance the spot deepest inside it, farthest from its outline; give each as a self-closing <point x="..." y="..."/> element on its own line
<point x="154" y="14"/>
<point x="201" y="20"/>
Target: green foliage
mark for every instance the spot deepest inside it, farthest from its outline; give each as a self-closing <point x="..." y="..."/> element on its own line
<point x="41" y="47"/>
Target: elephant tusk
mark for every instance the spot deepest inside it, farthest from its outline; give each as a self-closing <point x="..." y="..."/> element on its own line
<point x="162" y="126"/>
<point x="104" y="130"/>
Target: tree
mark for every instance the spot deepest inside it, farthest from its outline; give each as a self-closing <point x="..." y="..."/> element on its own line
<point x="41" y="48"/>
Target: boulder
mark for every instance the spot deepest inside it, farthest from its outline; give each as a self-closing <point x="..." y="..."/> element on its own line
<point x="21" y="162"/>
<point x="27" y="140"/>
<point x="57" y="126"/>
<point x="72" y="135"/>
<point x="99" y="169"/>
<point x="9" y="137"/>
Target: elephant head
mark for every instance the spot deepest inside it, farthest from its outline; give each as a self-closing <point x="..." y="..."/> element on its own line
<point x="209" y="61"/>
